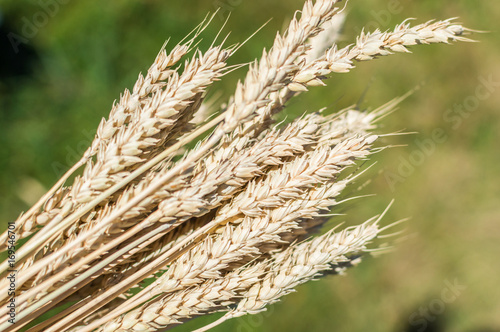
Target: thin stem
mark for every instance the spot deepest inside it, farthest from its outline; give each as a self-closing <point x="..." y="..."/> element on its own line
<point x="219" y="321"/>
<point x="51" y="320"/>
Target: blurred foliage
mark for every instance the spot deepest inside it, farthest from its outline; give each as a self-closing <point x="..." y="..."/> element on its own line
<point x="66" y="75"/>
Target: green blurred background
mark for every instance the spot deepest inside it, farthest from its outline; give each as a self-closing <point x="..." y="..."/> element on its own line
<point x="68" y="71"/>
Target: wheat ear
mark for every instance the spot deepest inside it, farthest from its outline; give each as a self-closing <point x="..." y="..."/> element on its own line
<point x="254" y="229"/>
<point x="312" y="16"/>
<point x="251" y="287"/>
<point x="120" y="115"/>
<point x="301" y="263"/>
<point x="233" y="174"/>
<point x="459" y="38"/>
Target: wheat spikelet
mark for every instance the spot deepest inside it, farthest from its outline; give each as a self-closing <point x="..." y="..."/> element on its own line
<point x="326" y="38"/>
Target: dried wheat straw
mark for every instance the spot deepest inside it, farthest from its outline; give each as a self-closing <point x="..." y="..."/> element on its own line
<point x="243" y="108"/>
<point x="244" y="194"/>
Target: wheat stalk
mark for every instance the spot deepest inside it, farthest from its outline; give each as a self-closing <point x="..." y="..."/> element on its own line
<point x="251" y="94"/>
<point x="218" y="226"/>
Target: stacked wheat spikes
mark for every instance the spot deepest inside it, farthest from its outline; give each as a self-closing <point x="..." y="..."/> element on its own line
<point x="222" y="227"/>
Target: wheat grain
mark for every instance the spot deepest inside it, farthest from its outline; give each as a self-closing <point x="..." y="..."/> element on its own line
<point x="326" y="38"/>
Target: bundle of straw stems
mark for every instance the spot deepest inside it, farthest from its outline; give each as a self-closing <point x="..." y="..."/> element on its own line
<point x="227" y="225"/>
